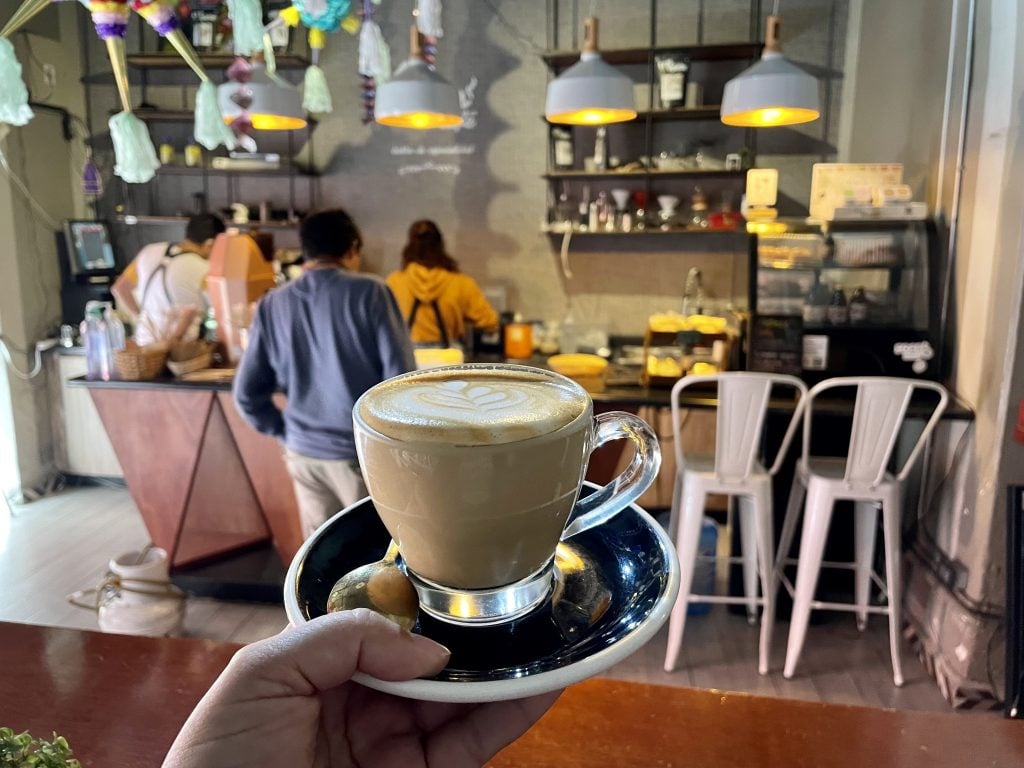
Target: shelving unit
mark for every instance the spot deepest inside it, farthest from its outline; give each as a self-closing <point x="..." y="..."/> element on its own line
<point x="161" y="76"/>
<point x="653" y="131"/>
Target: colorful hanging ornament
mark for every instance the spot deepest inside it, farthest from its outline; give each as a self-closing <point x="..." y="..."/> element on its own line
<point x="374" y="61"/>
<point x="134" y="154"/>
<point x="92" y="181"/>
<point x="428" y="18"/>
<point x="14" y="108"/>
<point x="316" y="96"/>
<point x="209" y="129"/>
<point x="246" y="26"/>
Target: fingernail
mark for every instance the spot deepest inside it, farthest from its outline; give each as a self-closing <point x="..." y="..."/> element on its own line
<point x="433" y="646"/>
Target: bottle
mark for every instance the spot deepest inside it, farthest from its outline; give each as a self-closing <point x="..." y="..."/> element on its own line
<point x="704" y="568"/>
<point x="698" y="210"/>
<point x="816" y="303"/>
<point x="98" y="357"/>
<point x="601" y="149"/>
<point x="115" y="329"/>
<point x="858" y="306"/>
<point x="693" y="293"/>
<point x="838" y="311"/>
<point x="193" y="154"/>
<point x="593" y="216"/>
<point x="166" y="152"/>
<point x="640" y="214"/>
<point x="605" y="217"/>
<point x="204" y="24"/>
<point x="563" y="154"/>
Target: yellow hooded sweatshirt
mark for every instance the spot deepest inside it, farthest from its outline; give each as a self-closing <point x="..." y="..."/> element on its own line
<point x="458" y="298"/>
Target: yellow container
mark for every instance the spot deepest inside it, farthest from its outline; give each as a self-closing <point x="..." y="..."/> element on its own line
<point x="432" y="357"/>
<point x="587" y="370"/>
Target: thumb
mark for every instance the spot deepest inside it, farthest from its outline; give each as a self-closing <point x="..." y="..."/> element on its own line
<point x="328" y="650"/>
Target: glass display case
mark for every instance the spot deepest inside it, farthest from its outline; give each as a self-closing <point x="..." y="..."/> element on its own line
<point x="845" y="299"/>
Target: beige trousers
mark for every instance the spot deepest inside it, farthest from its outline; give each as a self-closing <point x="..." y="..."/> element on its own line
<point x="323" y="487"/>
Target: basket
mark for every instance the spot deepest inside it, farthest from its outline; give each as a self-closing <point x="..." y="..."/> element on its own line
<point x="140" y="363"/>
<point x="189" y="357"/>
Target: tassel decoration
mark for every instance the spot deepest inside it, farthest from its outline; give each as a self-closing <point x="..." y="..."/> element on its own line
<point x="135" y="157"/>
<point x="316" y="96"/>
<point x="210" y="130"/>
<point x="14" y="108"/>
<point x="246" y="25"/>
<point x="428" y="20"/>
<point x="92" y="182"/>
<point x="374" y="54"/>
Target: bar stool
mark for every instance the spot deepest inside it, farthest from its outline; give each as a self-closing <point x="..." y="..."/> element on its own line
<point x="878" y="415"/>
<point x="735" y="470"/>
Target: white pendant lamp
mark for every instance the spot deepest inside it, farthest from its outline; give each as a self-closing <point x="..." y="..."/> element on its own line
<point x="591" y="91"/>
<point x="772" y="92"/>
<point x="416" y="96"/>
<point x="274" y="105"/>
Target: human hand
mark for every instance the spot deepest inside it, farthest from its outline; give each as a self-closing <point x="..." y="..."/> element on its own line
<point x="289" y="701"/>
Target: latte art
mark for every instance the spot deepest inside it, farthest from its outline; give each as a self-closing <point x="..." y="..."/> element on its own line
<point x="467" y="396"/>
<point x="471" y="407"/>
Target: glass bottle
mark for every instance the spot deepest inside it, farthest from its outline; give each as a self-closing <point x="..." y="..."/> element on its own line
<point x="816" y="303"/>
<point x="601" y="149"/>
<point x="838" y="310"/>
<point x="858" y="306"/>
<point x="698" y="210"/>
<point x="563" y="154"/>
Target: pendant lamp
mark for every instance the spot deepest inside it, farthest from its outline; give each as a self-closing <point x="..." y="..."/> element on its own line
<point x="591" y="91"/>
<point x="271" y="103"/>
<point x="416" y="96"/>
<point x="772" y="92"/>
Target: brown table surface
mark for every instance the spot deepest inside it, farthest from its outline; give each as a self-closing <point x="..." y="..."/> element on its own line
<point x="120" y="701"/>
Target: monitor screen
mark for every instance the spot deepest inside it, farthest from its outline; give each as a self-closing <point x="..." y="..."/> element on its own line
<point x="89" y="247"/>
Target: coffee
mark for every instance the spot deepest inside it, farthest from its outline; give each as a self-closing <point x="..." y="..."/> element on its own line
<point x="477" y="469"/>
<point x="471" y="407"/>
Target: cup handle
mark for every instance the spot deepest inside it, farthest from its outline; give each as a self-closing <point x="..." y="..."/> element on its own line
<point x="603" y="504"/>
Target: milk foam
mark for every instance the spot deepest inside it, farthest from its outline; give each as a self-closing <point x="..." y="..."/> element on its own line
<point x="484" y="407"/>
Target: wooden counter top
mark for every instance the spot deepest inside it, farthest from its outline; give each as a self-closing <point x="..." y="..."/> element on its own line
<point x="121" y="700"/>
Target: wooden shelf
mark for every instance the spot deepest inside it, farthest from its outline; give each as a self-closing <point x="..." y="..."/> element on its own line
<point x="182" y="170"/>
<point x="723" y="52"/>
<point x="712" y="112"/>
<point x="129" y="220"/>
<point x="208" y="60"/>
<point x="156" y="115"/>
<point x="698" y="174"/>
<point x="555" y="231"/>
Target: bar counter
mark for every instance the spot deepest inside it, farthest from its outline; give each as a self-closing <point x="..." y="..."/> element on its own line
<point x="120" y="701"/>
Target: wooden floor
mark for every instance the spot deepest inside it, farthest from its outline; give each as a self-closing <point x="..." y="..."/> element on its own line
<point x="62" y="543"/>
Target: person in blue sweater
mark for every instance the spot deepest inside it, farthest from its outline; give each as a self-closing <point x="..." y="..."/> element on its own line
<point x="322" y="341"/>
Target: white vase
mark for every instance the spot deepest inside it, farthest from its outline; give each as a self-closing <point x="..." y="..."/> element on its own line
<point x="140" y="600"/>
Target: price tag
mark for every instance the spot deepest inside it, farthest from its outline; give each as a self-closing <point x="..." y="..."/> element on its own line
<point x="815" y="357"/>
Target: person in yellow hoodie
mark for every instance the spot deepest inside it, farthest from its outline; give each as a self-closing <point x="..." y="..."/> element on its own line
<point x="436" y="299"/>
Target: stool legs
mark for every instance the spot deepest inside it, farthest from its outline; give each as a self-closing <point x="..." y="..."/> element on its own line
<point x="748" y="514"/>
<point x="865" y="523"/>
<point x="891" y="515"/>
<point x="817" y="515"/>
<point x="762" y="502"/>
<point x="689" y="517"/>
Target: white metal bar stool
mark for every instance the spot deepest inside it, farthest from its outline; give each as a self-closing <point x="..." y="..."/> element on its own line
<point x="735" y="470"/>
<point x="862" y="477"/>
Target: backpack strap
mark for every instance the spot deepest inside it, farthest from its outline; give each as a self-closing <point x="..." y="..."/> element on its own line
<point x="437" y="314"/>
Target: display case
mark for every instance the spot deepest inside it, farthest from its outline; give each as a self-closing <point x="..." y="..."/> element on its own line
<point x="851" y="298"/>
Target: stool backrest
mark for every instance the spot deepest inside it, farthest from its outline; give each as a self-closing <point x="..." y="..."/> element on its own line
<point x="878" y="414"/>
<point x="742" y="406"/>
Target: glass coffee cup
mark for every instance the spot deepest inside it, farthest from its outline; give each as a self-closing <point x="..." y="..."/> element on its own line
<point x="475" y="470"/>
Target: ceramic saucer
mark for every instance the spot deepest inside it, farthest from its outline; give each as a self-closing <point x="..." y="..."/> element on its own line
<point x="616" y="585"/>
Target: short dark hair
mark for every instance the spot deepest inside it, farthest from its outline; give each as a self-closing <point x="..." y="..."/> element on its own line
<point x="203" y="227"/>
<point x="328" y="235"/>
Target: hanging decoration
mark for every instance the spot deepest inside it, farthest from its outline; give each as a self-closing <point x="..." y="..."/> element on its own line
<point x="240" y="73"/>
<point x="374" y="61"/>
<point x="428" y="21"/>
<point x="134" y="154"/>
<point x="209" y="129"/>
<point x="92" y="181"/>
<point x="14" y="108"/>
<point x="246" y="26"/>
<point x="316" y="96"/>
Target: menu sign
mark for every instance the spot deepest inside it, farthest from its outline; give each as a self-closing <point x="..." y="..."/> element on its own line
<point x="776" y="344"/>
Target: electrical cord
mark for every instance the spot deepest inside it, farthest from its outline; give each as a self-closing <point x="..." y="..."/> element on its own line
<point x="5" y="350"/>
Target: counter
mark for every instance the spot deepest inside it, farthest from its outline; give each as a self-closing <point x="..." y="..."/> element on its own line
<point x="120" y="701"/>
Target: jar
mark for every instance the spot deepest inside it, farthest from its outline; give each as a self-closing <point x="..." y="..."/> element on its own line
<point x="518" y="340"/>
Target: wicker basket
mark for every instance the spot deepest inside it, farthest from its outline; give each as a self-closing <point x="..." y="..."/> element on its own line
<point x="140" y="363"/>
<point x="189" y="356"/>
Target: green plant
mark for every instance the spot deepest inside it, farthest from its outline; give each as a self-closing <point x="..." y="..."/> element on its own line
<point x="22" y="750"/>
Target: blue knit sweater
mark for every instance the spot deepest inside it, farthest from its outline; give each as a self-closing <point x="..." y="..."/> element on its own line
<point x="322" y="340"/>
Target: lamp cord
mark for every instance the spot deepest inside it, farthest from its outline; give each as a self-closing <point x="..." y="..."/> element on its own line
<point x="775" y="8"/>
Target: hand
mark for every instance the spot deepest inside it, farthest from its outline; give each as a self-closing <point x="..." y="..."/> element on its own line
<point x="289" y="701"/>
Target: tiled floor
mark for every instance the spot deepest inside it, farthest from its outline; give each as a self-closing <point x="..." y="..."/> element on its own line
<point x="62" y="543"/>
